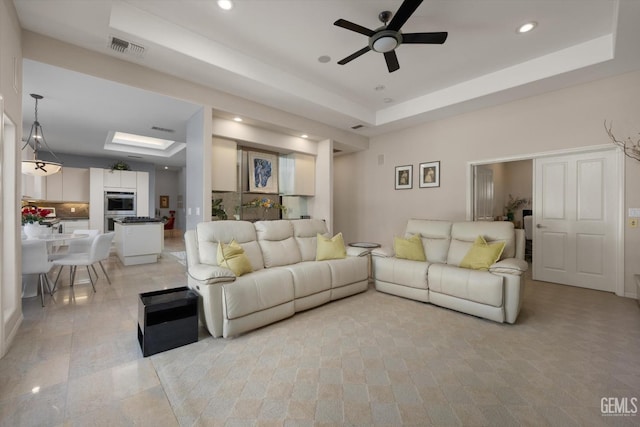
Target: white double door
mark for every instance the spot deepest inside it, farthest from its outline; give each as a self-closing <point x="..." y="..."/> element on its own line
<point x="576" y="218"/>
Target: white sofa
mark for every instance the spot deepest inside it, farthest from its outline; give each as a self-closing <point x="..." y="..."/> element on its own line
<point x="286" y="278"/>
<point x="495" y="294"/>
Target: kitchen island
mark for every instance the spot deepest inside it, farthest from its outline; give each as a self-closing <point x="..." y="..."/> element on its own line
<point x="138" y="240"/>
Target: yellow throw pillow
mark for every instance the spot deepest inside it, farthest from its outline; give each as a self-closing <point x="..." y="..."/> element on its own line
<point x="482" y="254"/>
<point x="410" y="248"/>
<point x="232" y="256"/>
<point x="330" y="248"/>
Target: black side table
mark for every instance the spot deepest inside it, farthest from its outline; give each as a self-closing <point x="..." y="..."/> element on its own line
<point x="167" y="319"/>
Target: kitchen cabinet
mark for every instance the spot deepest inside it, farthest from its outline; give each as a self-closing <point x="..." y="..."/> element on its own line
<point x="224" y="155"/>
<point x="70" y="225"/>
<point x="142" y="190"/>
<point x="297" y="175"/>
<point x="139" y="243"/>
<point x="69" y="185"/>
<point x="33" y="187"/>
<point x="120" y="179"/>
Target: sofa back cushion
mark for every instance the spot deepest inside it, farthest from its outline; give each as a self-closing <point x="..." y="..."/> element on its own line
<point x="305" y="232"/>
<point x="435" y="236"/>
<point x="277" y="243"/>
<point x="464" y="234"/>
<point x="243" y="232"/>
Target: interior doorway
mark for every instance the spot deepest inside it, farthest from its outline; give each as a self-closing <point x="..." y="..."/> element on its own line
<point x="518" y="177"/>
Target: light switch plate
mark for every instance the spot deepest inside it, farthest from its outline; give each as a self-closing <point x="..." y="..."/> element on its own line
<point x="634" y="212"/>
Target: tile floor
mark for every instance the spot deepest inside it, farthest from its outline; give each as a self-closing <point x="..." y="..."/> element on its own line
<point x="371" y="359"/>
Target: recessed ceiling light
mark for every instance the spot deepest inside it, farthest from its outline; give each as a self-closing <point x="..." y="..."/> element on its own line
<point x="525" y="28"/>
<point x="304" y="135"/>
<point x="379" y="88"/>
<point x="237" y="119"/>
<point x="166" y="167"/>
<point x="324" y="59"/>
<point x="225" y="4"/>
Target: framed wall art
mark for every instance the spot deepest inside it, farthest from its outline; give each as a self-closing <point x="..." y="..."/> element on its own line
<point x="164" y="202"/>
<point x="404" y="177"/>
<point x="430" y="174"/>
<point x="263" y="172"/>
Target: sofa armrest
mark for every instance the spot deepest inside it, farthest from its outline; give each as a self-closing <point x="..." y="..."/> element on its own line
<point x="513" y="266"/>
<point x="383" y="252"/>
<point x="208" y="274"/>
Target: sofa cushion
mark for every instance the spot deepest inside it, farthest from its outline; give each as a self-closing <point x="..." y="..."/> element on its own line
<point x="482" y="255"/>
<point x="463" y="234"/>
<point x="257" y="291"/>
<point x="330" y="248"/>
<point x="305" y="232"/>
<point x="232" y="256"/>
<point x="410" y="248"/>
<point x="277" y="243"/>
<point x="243" y="232"/>
<point x="402" y="272"/>
<point x="435" y="236"/>
<point x="473" y="285"/>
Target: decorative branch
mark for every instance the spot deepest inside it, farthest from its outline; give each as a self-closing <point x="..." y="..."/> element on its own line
<point x="629" y="147"/>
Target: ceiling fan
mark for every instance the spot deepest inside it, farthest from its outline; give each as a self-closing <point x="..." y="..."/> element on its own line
<point x="387" y="38"/>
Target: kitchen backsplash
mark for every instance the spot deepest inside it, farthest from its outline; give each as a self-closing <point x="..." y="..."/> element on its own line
<point x="63" y="210"/>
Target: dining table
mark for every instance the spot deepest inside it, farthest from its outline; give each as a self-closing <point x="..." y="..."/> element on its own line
<point x="30" y="281"/>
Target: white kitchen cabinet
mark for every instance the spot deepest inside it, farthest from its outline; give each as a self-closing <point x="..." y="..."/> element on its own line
<point x="96" y="199"/>
<point x="69" y="185"/>
<point x="70" y="225"/>
<point x="297" y="175"/>
<point x="224" y="155"/>
<point x="120" y="179"/>
<point x="139" y="243"/>
<point x="33" y="187"/>
<point x="75" y="184"/>
<point x="142" y="193"/>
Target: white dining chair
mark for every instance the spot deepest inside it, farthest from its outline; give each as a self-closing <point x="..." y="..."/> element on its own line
<point x="35" y="261"/>
<point x="76" y="246"/>
<point x="98" y="252"/>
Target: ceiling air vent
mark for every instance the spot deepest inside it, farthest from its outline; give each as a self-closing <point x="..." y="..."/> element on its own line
<point x="123" y="46"/>
<point x="158" y="128"/>
<point x="357" y="127"/>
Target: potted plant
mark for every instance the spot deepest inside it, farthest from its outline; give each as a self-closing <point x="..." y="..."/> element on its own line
<point x="513" y="204"/>
<point x="217" y="209"/>
<point x="120" y="166"/>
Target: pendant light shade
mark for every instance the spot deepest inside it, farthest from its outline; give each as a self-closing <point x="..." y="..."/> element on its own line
<point x="37" y="167"/>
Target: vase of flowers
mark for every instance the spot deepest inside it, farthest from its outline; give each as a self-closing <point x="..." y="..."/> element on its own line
<point x="266" y="205"/>
<point x="31" y="218"/>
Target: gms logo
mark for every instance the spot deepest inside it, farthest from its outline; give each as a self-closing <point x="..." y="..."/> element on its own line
<point x="619" y="406"/>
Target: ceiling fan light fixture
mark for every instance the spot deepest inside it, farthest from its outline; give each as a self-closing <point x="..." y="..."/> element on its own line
<point x="38" y="167"/>
<point x="385" y="44"/>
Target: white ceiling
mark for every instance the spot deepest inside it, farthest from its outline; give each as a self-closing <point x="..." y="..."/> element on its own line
<point x="268" y="50"/>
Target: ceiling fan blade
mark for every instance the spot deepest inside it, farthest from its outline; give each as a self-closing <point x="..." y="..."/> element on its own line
<point x="392" y="61"/>
<point x="354" y="55"/>
<point x="426" y="38"/>
<point x="354" y="27"/>
<point x="404" y="12"/>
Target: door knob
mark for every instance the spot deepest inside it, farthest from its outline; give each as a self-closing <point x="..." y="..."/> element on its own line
<point x="540" y="226"/>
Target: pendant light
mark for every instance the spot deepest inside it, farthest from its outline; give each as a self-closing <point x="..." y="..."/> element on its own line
<point x="37" y="167"/>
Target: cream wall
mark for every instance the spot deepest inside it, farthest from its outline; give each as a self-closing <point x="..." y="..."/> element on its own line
<point x="368" y="208"/>
<point x="11" y="107"/>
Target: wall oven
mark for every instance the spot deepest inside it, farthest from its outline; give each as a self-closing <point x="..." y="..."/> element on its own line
<point x="120" y="203"/>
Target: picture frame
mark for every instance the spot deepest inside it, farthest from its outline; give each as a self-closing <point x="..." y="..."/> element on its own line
<point x="164" y="202"/>
<point x="429" y="174"/>
<point x="263" y="172"/>
<point x="404" y="177"/>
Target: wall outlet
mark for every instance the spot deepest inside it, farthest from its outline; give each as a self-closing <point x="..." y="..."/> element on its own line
<point x="73" y="210"/>
<point x="633" y="222"/>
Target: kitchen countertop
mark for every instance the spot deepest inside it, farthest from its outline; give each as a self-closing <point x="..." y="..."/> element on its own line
<point x="73" y="218"/>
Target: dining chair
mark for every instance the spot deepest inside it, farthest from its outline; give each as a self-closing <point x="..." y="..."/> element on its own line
<point x="77" y="246"/>
<point x="98" y="252"/>
<point x="35" y="261"/>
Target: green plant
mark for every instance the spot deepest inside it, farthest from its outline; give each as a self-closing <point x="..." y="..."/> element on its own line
<point x="120" y="166"/>
<point x="513" y="204"/>
<point x="217" y="209"/>
<point x="266" y="204"/>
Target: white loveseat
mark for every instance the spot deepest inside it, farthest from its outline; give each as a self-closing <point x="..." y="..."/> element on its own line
<point x="495" y="294"/>
<point x="286" y="278"/>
